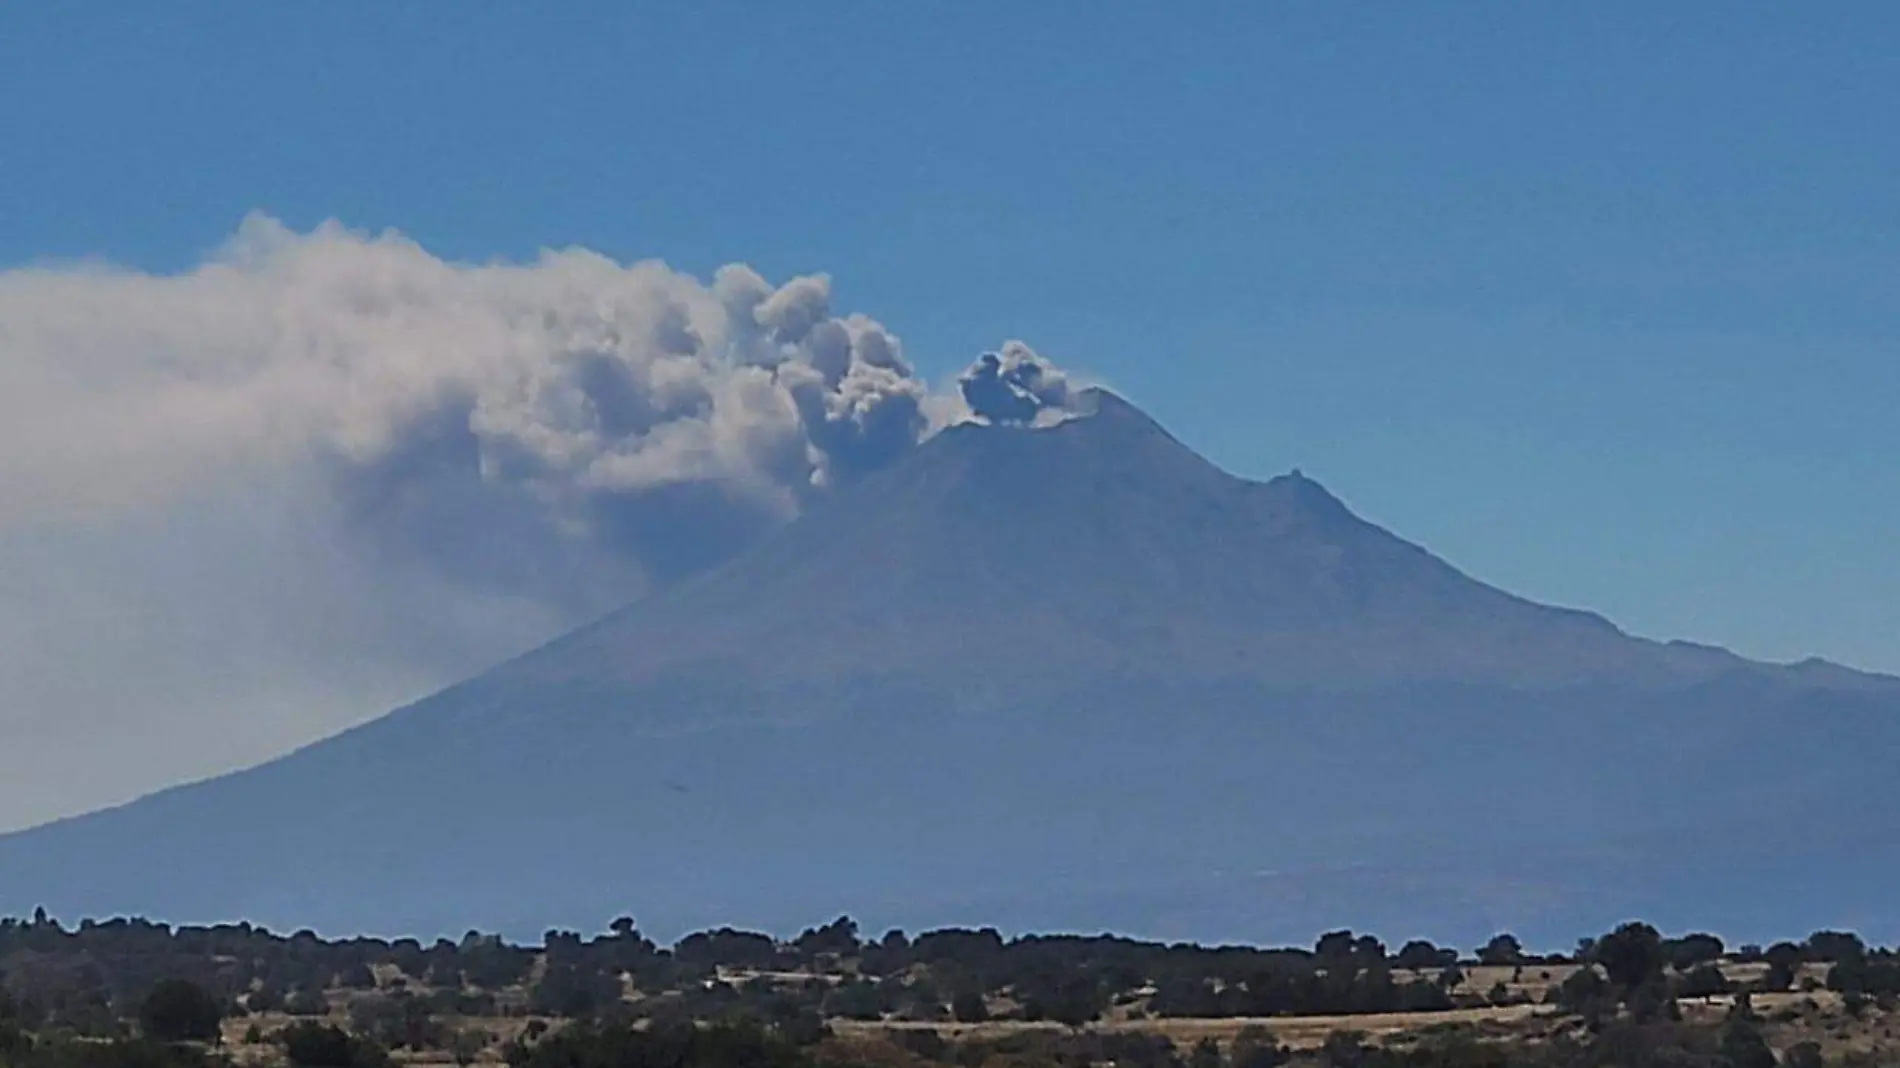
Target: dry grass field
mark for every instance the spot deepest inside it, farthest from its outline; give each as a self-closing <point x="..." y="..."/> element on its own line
<point x="1811" y="1015"/>
<point x="1300" y="1032"/>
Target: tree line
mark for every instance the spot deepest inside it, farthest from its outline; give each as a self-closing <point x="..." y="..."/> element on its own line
<point x="350" y="1001"/>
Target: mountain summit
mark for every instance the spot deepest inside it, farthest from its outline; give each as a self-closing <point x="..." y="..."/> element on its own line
<point x="1058" y="676"/>
<point x="1092" y="540"/>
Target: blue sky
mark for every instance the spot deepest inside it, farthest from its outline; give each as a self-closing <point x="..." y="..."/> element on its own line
<point x="1595" y="300"/>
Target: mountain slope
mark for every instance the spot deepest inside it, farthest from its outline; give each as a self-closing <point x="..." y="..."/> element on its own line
<point x="1074" y="677"/>
<point x="1091" y="539"/>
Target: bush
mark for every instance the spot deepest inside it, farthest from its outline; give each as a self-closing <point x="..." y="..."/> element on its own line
<point x="1804" y="1055"/>
<point x="1419" y="955"/>
<point x="467" y="1046"/>
<point x="717" y="1046"/>
<point x="1205" y="1054"/>
<point x="1632" y="956"/>
<point x="307" y="1003"/>
<point x="15" y="1043"/>
<point x="315" y="1045"/>
<point x="1689" y="951"/>
<point x="1502" y="949"/>
<point x="1345" y="1049"/>
<point x="969" y="1007"/>
<point x="180" y="1011"/>
<point x="402" y="1020"/>
<point x="1743" y="1046"/>
<point x="1704" y="980"/>
<point x="1255" y="1047"/>
<point x="1836" y="946"/>
<point x="1584" y="993"/>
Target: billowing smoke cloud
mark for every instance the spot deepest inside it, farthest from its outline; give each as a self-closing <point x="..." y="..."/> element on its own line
<point x="461" y="408"/>
<point x="321" y="471"/>
<point x="1015" y="386"/>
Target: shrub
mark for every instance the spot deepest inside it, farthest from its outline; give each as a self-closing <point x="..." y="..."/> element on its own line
<point x="315" y="1045"/>
<point x="180" y="1011"/>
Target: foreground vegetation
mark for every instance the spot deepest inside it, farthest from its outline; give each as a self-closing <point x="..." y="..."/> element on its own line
<point x="133" y="994"/>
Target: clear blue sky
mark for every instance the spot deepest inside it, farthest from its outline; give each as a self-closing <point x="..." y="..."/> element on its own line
<point x="1596" y="300"/>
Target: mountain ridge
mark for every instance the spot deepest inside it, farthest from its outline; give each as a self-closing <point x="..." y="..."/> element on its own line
<point x="1310" y="518"/>
<point x="1053" y="676"/>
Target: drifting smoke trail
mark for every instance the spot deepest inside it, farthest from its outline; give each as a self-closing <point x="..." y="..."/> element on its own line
<point x="245" y="505"/>
<point x="484" y="418"/>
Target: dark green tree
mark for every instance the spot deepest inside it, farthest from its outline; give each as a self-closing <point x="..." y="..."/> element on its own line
<point x="1420" y="955"/>
<point x="178" y="1010"/>
<point x="1584" y="993"/>
<point x="314" y="1045"/>
<point x="1701" y="981"/>
<point x="1804" y="1055"/>
<point x="1255" y="1047"/>
<point x="968" y="1006"/>
<point x="840" y="937"/>
<point x="1335" y="945"/>
<point x="1632" y="956"/>
<point x="1743" y="1045"/>
<point x="1502" y="949"/>
<point x="1691" y="950"/>
<point x="1345" y="1049"/>
<point x="1836" y="946"/>
<point x="1205" y="1054"/>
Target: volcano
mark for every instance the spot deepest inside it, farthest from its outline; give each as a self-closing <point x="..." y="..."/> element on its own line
<point x="1068" y="677"/>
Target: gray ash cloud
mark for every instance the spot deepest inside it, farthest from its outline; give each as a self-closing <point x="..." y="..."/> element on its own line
<point x="1015" y="386"/>
<point x="323" y="471"/>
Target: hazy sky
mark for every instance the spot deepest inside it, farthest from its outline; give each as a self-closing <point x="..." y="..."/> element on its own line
<point x="1597" y="301"/>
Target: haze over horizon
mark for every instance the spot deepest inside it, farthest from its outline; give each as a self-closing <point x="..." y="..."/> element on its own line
<point x="1596" y="305"/>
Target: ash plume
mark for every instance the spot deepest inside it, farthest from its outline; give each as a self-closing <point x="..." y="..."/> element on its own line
<point x="348" y="468"/>
<point x="558" y="399"/>
<point x="1016" y="386"/>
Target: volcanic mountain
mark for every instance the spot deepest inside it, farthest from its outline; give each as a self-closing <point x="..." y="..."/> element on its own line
<point x="1059" y="677"/>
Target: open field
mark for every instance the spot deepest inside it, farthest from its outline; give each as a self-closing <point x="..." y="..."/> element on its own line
<point x="955" y="998"/>
<point x="1813" y="1015"/>
<point x="1298" y="1032"/>
<point x="1791" y="1019"/>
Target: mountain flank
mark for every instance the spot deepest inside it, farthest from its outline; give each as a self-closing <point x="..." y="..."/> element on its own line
<point x="1063" y="677"/>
